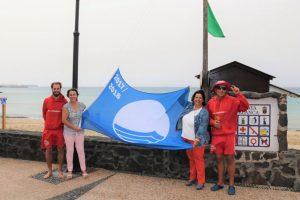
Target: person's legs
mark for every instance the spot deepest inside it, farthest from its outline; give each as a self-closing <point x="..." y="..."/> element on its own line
<point x="229" y="151"/>
<point x="230" y="168"/>
<point x="46" y="143"/>
<point x="220" y="167"/>
<point x="69" y="139"/>
<point x="193" y="172"/>
<point x="79" y="142"/>
<point x="200" y="164"/>
<point x="60" y="158"/>
<point x="48" y="156"/>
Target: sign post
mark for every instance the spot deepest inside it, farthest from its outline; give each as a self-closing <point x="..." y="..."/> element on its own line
<point x="3" y="103"/>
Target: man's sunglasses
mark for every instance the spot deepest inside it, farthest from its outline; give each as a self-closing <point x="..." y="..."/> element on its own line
<point x="221" y="87"/>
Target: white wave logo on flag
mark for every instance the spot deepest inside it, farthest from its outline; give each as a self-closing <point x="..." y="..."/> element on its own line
<point x="142" y="121"/>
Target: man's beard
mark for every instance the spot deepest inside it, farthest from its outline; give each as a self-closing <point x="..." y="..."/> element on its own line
<point x="56" y="94"/>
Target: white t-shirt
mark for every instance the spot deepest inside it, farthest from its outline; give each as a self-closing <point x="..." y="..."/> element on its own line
<point x="188" y="128"/>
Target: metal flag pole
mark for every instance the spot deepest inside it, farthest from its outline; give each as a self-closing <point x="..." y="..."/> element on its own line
<point x="204" y="80"/>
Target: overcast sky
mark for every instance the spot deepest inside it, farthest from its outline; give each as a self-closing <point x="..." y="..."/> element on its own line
<point x="154" y="42"/>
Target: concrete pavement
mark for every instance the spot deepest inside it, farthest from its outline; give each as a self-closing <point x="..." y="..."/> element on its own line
<point x="17" y="182"/>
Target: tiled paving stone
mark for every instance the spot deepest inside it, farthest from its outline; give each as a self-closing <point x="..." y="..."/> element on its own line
<point x="266" y="187"/>
<point x="78" y="192"/>
<point x="55" y="180"/>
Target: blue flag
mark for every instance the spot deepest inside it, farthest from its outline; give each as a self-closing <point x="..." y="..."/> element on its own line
<point x="126" y="114"/>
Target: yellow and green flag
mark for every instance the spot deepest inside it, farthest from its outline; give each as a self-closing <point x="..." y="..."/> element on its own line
<point x="213" y="26"/>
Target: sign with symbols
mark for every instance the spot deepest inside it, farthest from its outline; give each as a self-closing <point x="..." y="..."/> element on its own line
<point x="257" y="127"/>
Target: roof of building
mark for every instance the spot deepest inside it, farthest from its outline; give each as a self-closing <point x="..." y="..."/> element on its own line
<point x="275" y="88"/>
<point x="243" y="67"/>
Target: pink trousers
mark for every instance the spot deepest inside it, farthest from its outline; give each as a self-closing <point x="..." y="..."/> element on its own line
<point x="78" y="139"/>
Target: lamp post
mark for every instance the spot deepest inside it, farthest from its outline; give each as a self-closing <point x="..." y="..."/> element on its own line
<point x="75" y="48"/>
<point x="76" y="167"/>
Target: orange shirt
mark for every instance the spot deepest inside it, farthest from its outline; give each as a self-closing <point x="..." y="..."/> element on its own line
<point x="225" y="110"/>
<point x="52" y="112"/>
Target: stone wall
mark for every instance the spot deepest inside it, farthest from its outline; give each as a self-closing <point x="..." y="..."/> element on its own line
<point x="272" y="168"/>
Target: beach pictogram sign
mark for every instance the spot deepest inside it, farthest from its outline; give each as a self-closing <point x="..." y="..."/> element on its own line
<point x="254" y="126"/>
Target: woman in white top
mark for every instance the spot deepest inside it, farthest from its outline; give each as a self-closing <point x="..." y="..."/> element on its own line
<point x="73" y="134"/>
<point x="194" y="122"/>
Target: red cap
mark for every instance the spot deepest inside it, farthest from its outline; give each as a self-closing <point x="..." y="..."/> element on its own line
<point x="222" y="82"/>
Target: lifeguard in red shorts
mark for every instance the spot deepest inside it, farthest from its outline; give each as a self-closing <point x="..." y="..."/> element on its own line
<point x="223" y="111"/>
<point x="53" y="128"/>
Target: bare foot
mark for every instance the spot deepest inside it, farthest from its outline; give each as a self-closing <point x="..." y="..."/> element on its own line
<point x="48" y="175"/>
<point x="60" y="174"/>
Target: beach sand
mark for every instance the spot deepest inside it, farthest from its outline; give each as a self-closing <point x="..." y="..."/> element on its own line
<point x="28" y="124"/>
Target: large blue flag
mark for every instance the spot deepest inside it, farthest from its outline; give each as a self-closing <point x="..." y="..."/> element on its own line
<point x="126" y="114"/>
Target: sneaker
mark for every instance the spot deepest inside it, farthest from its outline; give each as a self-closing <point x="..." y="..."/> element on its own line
<point x="231" y="190"/>
<point x="199" y="186"/>
<point x="190" y="182"/>
<point x="216" y="187"/>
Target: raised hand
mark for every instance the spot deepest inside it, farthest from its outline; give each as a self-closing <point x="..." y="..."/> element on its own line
<point x="235" y="89"/>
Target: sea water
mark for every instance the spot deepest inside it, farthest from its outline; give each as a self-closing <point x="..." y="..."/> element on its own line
<point x="27" y="102"/>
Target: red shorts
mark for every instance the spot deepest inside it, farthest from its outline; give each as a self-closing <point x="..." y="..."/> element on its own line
<point x="224" y="145"/>
<point x="52" y="138"/>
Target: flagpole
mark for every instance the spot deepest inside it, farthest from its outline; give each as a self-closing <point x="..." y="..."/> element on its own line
<point x="204" y="81"/>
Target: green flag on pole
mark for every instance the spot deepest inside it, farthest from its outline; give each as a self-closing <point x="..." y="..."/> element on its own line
<point x="213" y="26"/>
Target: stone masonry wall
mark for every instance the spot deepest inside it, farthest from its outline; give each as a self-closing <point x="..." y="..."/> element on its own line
<point x="273" y="169"/>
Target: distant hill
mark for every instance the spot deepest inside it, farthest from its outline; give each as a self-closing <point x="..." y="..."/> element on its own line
<point x="17" y="86"/>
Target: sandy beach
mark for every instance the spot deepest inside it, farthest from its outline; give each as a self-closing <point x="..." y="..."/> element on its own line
<point x="28" y="124"/>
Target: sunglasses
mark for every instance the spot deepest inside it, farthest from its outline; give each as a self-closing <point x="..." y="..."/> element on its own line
<point x="221" y="87"/>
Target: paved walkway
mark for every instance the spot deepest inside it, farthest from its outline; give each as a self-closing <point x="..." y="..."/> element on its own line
<point x="19" y="179"/>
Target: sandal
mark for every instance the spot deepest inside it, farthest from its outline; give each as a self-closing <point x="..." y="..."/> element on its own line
<point x="200" y="187"/>
<point x="216" y="187"/>
<point x="69" y="175"/>
<point x="84" y="174"/>
<point x="190" y="182"/>
<point x="231" y="190"/>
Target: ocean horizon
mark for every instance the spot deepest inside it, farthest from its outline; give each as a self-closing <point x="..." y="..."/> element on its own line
<point x="27" y="101"/>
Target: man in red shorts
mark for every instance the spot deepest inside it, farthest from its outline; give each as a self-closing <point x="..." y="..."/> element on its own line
<point x="53" y="128"/>
<point x="223" y="111"/>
